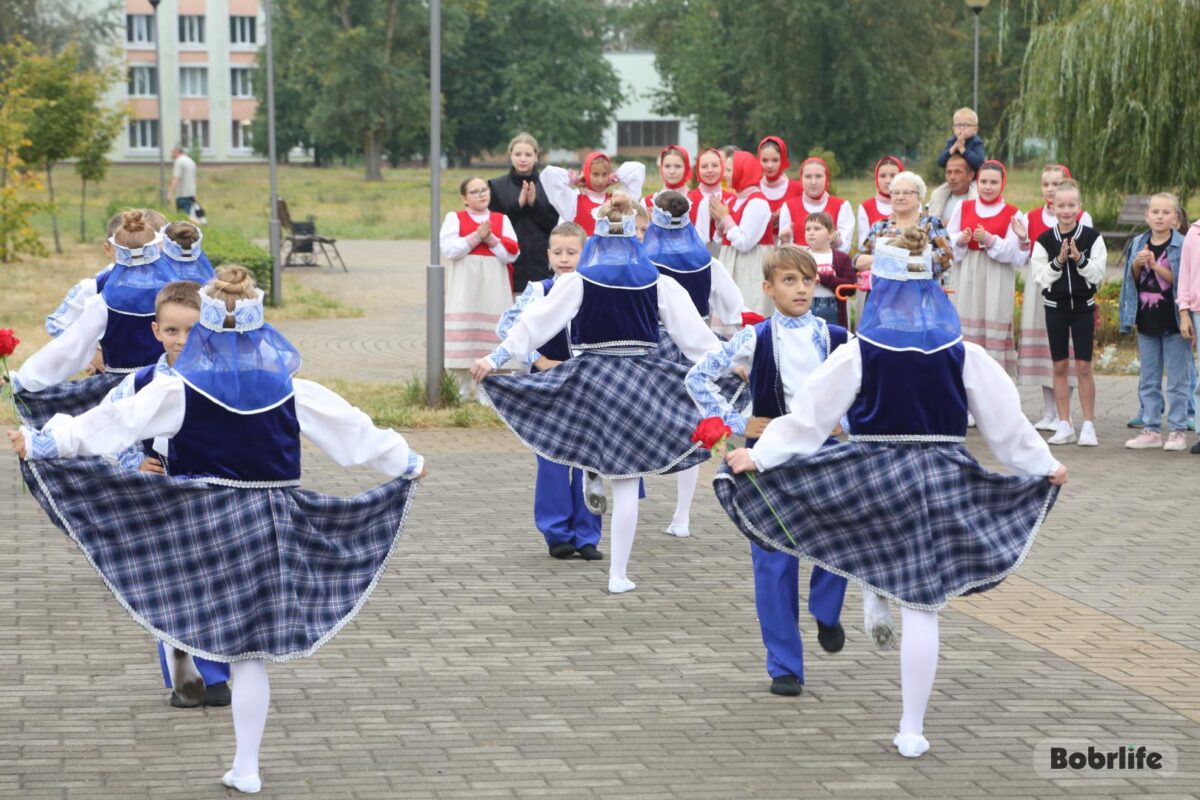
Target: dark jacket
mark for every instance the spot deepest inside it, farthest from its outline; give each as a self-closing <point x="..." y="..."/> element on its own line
<point x="1072" y="286"/>
<point x="531" y="223"/>
<point x="974" y="154"/>
<point x="843" y="275"/>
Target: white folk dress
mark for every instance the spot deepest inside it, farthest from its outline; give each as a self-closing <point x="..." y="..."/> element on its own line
<point x="478" y="285"/>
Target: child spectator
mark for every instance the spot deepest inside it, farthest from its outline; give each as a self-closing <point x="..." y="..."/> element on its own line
<point x="710" y="171"/>
<point x="965" y="140"/>
<point x="834" y="268"/>
<point x="675" y="169"/>
<point x="577" y="195"/>
<point x="1148" y="301"/>
<point x="1188" y="295"/>
<point x="1068" y="264"/>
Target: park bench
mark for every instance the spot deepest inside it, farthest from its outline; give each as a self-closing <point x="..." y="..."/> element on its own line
<point x="304" y="244"/>
<point x="1131" y="219"/>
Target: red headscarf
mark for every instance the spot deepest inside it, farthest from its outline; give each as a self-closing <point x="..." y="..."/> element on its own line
<point x="783" y="158"/>
<point x="816" y="160"/>
<point x="586" y="172"/>
<point x="894" y="160"/>
<point x="687" y="165"/>
<point x="747" y="171"/>
<point x="1065" y="171"/>
<point x="991" y="162"/>
<point x="720" y="158"/>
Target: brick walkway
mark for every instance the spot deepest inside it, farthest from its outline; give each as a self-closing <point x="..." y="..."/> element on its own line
<point x="482" y="668"/>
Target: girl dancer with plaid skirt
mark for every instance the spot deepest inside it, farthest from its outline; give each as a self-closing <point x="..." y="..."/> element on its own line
<point x="930" y="523"/>
<point x="117" y="319"/>
<point x="673" y="246"/>
<point x="615" y="410"/>
<point x="226" y="557"/>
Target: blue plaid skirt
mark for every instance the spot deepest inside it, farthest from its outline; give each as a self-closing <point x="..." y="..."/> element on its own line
<point x="225" y="573"/>
<point x="618" y="416"/>
<point x="68" y="397"/>
<point x="732" y="387"/>
<point x="918" y="523"/>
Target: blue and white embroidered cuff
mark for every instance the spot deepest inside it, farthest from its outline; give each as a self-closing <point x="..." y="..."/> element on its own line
<point x="16" y="384"/>
<point x="131" y="458"/>
<point x="499" y="357"/>
<point x="39" y="445"/>
<point x="415" y="464"/>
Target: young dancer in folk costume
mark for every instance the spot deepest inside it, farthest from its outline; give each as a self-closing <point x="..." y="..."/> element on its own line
<point x="245" y="566"/>
<point x="673" y="246"/>
<point x="1034" y="367"/>
<point x="990" y="243"/>
<point x="117" y="320"/>
<point x="710" y="172"/>
<point x="814" y="178"/>
<point x="559" y="510"/>
<point x="181" y="246"/>
<point x="746" y="228"/>
<point x="578" y="195"/>
<point x="675" y="169"/>
<point x="614" y="409"/>
<point x="936" y="524"/>
<point x="779" y="353"/>
<point x="480" y="246"/>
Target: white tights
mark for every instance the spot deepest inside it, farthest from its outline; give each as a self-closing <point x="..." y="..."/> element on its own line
<point x="685" y="490"/>
<point x="918" y="665"/>
<point x="622" y="526"/>
<point x="251" y="697"/>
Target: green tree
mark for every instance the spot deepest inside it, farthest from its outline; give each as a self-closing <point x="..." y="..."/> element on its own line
<point x="1113" y="85"/>
<point x="17" y="234"/>
<point x="92" y="162"/>
<point x="54" y="25"/>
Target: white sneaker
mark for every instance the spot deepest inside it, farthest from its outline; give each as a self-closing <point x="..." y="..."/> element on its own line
<point x="246" y="784"/>
<point x="911" y="745"/>
<point x="620" y="585"/>
<point x="678" y="531"/>
<point x="1049" y="422"/>
<point x="1087" y="435"/>
<point x="1064" y="434"/>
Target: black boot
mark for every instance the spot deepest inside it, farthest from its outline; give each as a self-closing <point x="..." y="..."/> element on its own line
<point x="787" y="686"/>
<point x="562" y="550"/>
<point x="217" y="695"/>
<point x="589" y="553"/>
<point x="1195" y="449"/>
<point x="831" y="637"/>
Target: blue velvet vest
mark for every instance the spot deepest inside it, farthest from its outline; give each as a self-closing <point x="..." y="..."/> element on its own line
<point x="558" y="348"/>
<point x="910" y="393"/>
<point x="216" y="442"/>
<point x="697" y="283"/>
<point x="766" y="383"/>
<point x="141" y="379"/>
<point x="128" y="341"/>
<point x="619" y="307"/>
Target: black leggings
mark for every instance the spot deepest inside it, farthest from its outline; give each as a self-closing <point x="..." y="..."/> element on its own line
<point x="1078" y="324"/>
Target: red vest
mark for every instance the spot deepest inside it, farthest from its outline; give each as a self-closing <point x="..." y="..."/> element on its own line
<point x="768" y="236"/>
<point x="467" y="226"/>
<point x="872" y="208"/>
<point x="584" y="206"/>
<point x="996" y="225"/>
<point x="796" y="207"/>
<point x="696" y="197"/>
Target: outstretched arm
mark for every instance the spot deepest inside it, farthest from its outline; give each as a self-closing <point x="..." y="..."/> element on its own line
<point x="348" y="436"/>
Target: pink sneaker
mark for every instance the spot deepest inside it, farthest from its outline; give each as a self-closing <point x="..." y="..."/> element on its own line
<point x="1145" y="440"/>
<point x="1176" y="441"/>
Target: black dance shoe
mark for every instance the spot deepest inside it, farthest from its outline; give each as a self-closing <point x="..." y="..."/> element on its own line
<point x="589" y="553"/>
<point x="562" y="550"/>
<point x="217" y="695"/>
<point x="787" y="686"/>
<point x="831" y="637"/>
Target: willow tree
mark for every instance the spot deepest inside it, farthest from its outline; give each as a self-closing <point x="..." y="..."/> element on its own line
<point x="1114" y="87"/>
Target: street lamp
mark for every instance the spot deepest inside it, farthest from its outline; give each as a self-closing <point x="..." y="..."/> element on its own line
<point x="977" y="7"/>
<point x="273" y="232"/>
<point x="162" y="177"/>
<point x="435" y="273"/>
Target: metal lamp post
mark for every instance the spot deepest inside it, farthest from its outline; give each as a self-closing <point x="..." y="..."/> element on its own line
<point x="977" y="7"/>
<point x="162" y="176"/>
<point x="273" y="233"/>
<point x="435" y="273"/>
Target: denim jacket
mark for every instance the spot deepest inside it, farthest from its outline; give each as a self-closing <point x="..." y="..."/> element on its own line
<point x="1127" y="308"/>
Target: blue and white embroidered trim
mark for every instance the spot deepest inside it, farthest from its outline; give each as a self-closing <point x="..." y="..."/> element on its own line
<point x="892" y="263"/>
<point x="137" y="256"/>
<point x="175" y="251"/>
<point x="664" y="220"/>
<point x="42" y="445"/>
<point x="907" y="438"/>
<point x="628" y="227"/>
<point x="247" y="313"/>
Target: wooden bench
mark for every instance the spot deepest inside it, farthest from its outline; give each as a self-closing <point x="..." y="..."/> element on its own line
<point x="302" y="242"/>
<point x="1131" y="219"/>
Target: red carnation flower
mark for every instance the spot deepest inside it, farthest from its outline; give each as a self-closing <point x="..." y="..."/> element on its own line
<point x="711" y="432"/>
<point x="750" y="318"/>
<point x="8" y="342"/>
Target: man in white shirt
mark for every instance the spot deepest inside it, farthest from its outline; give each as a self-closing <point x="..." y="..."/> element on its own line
<point x="183" y="181"/>
<point x="959" y="186"/>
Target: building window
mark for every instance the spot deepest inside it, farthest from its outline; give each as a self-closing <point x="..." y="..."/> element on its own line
<point x="243" y="30"/>
<point x="241" y="138"/>
<point x="193" y="133"/>
<point x="143" y="81"/>
<point x="240" y="81"/>
<point x="191" y="29"/>
<point x="193" y="81"/>
<point x="139" y="29"/>
<point x="647" y="133"/>
<point x="143" y="134"/>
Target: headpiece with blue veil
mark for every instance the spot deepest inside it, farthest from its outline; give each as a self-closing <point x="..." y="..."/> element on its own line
<point x="907" y="310"/>
<point x="191" y="264"/>
<point x="247" y="368"/>
<point x="137" y="275"/>
<point x="614" y="256"/>
<point x="672" y="242"/>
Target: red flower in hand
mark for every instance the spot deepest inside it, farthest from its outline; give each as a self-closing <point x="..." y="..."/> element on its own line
<point x="750" y="318"/>
<point x="8" y="342"/>
<point x="710" y="432"/>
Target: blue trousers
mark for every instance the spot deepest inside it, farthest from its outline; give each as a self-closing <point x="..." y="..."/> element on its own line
<point x="777" y="599"/>
<point x="558" y="509"/>
<point x="213" y="672"/>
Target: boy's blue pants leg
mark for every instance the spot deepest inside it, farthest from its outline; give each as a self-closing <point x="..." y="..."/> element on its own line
<point x="584" y="524"/>
<point x="553" y="506"/>
<point x="213" y="672"/>
<point x="777" y="600"/>
<point x="826" y="593"/>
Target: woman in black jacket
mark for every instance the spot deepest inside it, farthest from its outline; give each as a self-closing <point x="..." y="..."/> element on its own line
<point x="520" y="196"/>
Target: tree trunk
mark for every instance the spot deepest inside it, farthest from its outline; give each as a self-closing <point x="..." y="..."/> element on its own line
<point x="53" y="209"/>
<point x="82" y="207"/>
<point x="373" y="156"/>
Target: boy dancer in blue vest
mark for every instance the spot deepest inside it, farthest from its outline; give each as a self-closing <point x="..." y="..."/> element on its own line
<point x="779" y="353"/>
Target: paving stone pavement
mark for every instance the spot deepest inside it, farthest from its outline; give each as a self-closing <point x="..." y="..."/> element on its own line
<point x="482" y="668"/>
